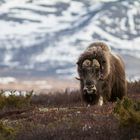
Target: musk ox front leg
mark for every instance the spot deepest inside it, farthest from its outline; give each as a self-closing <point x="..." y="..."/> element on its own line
<point x="100" y="101"/>
<point x="93" y="98"/>
<point x="106" y="92"/>
<point x="93" y="94"/>
<point x="90" y="98"/>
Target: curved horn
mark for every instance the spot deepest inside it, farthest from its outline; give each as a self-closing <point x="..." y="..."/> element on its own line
<point x="95" y="63"/>
<point x="86" y="63"/>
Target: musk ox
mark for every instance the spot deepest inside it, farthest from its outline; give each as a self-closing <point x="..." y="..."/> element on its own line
<point x="101" y="74"/>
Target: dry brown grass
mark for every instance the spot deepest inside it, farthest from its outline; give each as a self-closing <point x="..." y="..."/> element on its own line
<point x="62" y="115"/>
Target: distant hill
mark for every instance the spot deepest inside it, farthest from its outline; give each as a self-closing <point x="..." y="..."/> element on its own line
<point x="44" y="37"/>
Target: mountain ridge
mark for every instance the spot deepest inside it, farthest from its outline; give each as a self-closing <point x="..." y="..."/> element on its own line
<point x="48" y="36"/>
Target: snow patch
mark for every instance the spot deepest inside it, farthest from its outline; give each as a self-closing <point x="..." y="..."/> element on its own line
<point x="7" y="80"/>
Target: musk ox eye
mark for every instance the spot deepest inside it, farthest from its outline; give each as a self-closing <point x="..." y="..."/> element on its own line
<point x="97" y="69"/>
<point x="103" y="61"/>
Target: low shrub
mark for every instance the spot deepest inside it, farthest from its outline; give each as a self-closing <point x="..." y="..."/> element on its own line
<point x="14" y="101"/>
<point x="127" y="111"/>
<point x="6" y="132"/>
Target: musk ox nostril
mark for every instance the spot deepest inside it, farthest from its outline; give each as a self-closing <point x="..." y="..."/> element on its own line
<point x="94" y="90"/>
<point x="90" y="89"/>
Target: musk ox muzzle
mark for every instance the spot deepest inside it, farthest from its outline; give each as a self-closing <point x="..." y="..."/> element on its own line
<point x="90" y="89"/>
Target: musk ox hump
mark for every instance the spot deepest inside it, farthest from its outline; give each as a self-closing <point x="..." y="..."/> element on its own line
<point x="101" y="45"/>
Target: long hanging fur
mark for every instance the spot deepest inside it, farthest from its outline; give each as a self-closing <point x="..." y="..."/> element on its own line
<point x="114" y="83"/>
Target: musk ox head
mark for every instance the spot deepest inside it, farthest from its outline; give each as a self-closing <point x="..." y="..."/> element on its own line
<point x="89" y="75"/>
<point x="93" y="66"/>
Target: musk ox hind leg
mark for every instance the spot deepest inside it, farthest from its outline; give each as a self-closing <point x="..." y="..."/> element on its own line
<point x="119" y="90"/>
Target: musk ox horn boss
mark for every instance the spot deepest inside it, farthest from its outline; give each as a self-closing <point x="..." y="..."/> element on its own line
<point x="101" y="74"/>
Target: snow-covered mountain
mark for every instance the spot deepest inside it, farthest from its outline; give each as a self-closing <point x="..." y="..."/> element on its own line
<point x="44" y="37"/>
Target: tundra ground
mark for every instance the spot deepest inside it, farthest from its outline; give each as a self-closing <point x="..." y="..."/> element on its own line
<point x="63" y="115"/>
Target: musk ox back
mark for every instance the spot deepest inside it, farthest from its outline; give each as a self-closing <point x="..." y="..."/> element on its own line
<point x="101" y="74"/>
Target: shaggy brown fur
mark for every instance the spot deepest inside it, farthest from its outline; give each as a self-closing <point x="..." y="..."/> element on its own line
<point x="106" y="74"/>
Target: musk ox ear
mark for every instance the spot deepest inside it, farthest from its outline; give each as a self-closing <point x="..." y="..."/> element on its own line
<point x="77" y="62"/>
